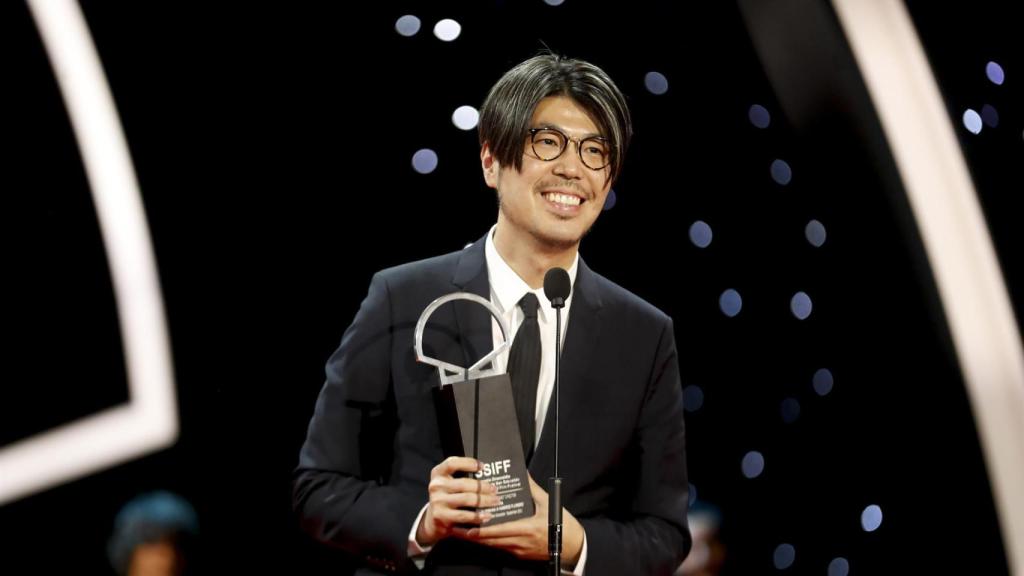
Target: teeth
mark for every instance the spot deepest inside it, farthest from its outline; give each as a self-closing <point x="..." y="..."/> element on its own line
<point x="563" y="199"/>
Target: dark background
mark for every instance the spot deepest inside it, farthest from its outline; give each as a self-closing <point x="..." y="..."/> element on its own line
<point x="273" y="145"/>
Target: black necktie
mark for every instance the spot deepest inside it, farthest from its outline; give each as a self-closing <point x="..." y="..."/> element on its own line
<point x="524" y="370"/>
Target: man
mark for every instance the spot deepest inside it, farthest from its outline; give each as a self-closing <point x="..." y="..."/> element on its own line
<point x="372" y="477"/>
<point x="155" y="534"/>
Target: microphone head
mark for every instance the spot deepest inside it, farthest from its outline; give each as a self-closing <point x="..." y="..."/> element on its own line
<point x="557" y="286"/>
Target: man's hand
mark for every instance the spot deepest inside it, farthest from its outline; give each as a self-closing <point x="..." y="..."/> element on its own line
<point x="527" y="538"/>
<point x="448" y="495"/>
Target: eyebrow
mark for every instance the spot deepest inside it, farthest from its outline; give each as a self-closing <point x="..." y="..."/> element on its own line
<point x="567" y="133"/>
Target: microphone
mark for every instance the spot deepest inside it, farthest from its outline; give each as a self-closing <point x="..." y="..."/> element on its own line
<point x="557" y="288"/>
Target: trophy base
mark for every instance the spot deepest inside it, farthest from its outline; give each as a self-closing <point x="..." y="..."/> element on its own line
<point x="477" y="418"/>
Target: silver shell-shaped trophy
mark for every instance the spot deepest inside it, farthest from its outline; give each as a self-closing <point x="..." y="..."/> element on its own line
<point x="476" y="417"/>
<point x="458" y="373"/>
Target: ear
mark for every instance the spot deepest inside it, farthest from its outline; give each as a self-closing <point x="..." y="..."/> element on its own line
<point x="490" y="166"/>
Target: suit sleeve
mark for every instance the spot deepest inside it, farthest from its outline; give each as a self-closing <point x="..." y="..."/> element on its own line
<point x="339" y="489"/>
<point x="653" y="537"/>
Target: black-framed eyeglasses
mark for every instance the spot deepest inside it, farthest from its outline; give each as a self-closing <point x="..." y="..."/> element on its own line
<point x="548" y="144"/>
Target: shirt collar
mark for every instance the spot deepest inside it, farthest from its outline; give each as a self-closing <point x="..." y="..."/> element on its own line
<point x="507" y="288"/>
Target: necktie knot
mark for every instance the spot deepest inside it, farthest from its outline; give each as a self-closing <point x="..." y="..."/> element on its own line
<point x="529" y="304"/>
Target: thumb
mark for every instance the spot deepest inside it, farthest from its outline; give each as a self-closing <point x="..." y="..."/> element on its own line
<point x="537" y="492"/>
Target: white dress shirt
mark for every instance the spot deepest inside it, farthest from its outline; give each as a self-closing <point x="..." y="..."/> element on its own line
<point x="507" y="289"/>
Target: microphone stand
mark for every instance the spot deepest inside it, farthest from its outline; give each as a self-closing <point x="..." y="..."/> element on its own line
<point x="555" y="483"/>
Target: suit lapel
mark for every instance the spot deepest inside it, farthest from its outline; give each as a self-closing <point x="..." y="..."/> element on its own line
<point x="472" y="320"/>
<point x="581" y="336"/>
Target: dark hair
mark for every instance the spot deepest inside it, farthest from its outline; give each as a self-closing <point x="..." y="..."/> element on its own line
<point x="154" y="517"/>
<point x="506" y="113"/>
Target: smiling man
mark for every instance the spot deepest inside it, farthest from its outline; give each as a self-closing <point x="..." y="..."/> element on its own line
<point x="372" y="478"/>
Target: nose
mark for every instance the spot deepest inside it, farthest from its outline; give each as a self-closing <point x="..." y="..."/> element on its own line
<point x="569" y="165"/>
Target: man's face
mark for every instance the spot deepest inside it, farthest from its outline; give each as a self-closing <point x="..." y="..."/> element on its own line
<point x="156" y="559"/>
<point x="553" y="203"/>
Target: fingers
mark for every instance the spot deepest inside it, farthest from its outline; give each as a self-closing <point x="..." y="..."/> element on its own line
<point x="537" y="492"/>
<point x="453" y="464"/>
<point x="454" y="501"/>
<point x="523" y="542"/>
<point x="452" y="517"/>
<point x="465" y="500"/>
<point x="508" y="529"/>
<point x="442" y="477"/>
<point x="507" y="543"/>
<point x="449" y="485"/>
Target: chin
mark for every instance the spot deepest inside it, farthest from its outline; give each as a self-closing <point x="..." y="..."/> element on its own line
<point x="560" y="241"/>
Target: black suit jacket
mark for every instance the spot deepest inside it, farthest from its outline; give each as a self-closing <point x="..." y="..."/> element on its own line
<point x="373" y="439"/>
